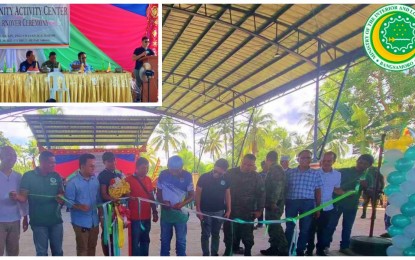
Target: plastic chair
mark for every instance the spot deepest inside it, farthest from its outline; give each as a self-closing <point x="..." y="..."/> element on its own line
<point x="61" y="88"/>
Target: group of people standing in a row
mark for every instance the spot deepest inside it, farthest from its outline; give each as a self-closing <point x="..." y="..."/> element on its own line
<point x="242" y="193"/>
<point x="237" y="193"/>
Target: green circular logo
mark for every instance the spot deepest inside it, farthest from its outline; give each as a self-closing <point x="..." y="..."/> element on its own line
<point x="389" y="37"/>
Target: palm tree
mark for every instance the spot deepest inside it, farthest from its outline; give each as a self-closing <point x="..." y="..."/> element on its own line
<point x="213" y="144"/>
<point x="225" y="131"/>
<point x="167" y="134"/>
<point x="260" y="125"/>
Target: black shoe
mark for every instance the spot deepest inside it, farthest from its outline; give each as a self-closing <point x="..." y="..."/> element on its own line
<point x="247" y="252"/>
<point x="255" y="228"/>
<point x="300" y="253"/>
<point x="321" y="253"/>
<point x="385" y="235"/>
<point x="269" y="252"/>
<point x="363" y="216"/>
<point x="239" y="251"/>
<point x="283" y="253"/>
<point x="227" y="252"/>
<point x="309" y="253"/>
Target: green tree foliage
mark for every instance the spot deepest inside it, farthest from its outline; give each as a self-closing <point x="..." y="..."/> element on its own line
<point x="3" y="140"/>
<point x="372" y="99"/>
<point x="167" y="136"/>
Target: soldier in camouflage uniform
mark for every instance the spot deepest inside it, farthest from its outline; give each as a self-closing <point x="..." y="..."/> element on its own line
<point x="274" y="205"/>
<point x="248" y="198"/>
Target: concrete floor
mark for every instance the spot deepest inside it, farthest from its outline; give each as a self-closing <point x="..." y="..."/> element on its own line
<point x="361" y="227"/>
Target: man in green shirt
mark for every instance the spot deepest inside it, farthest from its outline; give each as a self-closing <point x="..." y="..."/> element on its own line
<point x="247" y="203"/>
<point x="369" y="193"/>
<point x="42" y="188"/>
<point x="347" y="207"/>
<point x="274" y="205"/>
<point x="52" y="64"/>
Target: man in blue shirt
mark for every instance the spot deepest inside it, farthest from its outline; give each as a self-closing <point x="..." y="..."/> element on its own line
<point x="174" y="189"/>
<point x="303" y="193"/>
<point x="77" y="65"/>
<point x="30" y="64"/>
<point x="83" y="193"/>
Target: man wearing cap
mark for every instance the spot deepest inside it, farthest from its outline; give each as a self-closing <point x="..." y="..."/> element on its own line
<point x="285" y="162"/>
<point x="274" y="205"/>
<point x="248" y="199"/>
<point x="104" y="179"/>
<point x="213" y="198"/>
<point x="11" y="210"/>
<point x="174" y="191"/>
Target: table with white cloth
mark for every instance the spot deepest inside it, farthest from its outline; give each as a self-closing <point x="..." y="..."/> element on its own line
<point x="83" y="87"/>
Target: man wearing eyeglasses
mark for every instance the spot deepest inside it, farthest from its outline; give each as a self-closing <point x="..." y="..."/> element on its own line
<point x="303" y="193"/>
<point x="248" y="199"/>
<point x="138" y="56"/>
<point x="77" y="65"/>
<point x="213" y="197"/>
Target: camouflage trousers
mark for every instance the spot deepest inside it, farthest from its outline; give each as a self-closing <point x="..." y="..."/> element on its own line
<point x="233" y="232"/>
<point x="276" y="234"/>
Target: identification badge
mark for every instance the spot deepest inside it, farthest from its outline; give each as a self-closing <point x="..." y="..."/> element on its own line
<point x="53" y="182"/>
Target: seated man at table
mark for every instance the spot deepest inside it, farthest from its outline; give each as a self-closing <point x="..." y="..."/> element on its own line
<point x="77" y="65"/>
<point x="30" y="64"/>
<point x="52" y="64"/>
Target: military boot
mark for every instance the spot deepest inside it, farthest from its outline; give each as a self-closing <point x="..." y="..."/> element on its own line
<point x="270" y="252"/>
<point x="247" y="252"/>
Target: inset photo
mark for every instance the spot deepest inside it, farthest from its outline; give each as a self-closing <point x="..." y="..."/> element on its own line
<point x="79" y="53"/>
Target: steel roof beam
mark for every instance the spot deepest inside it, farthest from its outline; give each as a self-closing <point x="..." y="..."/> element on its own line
<point x="189" y="19"/>
<point x="263" y="49"/>
<point x="195" y="43"/>
<point x="232" y="7"/>
<point x="216" y="46"/>
<point x="256" y="35"/>
<point x="327" y="67"/>
<point x="325" y="28"/>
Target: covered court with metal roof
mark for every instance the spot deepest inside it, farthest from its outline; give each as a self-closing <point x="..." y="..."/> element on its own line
<point x="82" y="130"/>
<point x="221" y="59"/>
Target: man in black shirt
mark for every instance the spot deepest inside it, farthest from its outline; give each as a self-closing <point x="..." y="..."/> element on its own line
<point x="30" y="64"/>
<point x="213" y="197"/>
<point x="138" y="56"/>
<point x="104" y="179"/>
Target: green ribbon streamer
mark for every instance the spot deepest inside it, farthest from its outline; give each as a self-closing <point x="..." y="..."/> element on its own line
<point x="105" y="226"/>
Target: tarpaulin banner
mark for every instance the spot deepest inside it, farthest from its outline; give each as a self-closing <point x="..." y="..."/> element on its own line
<point x="67" y="160"/>
<point x="34" y="26"/>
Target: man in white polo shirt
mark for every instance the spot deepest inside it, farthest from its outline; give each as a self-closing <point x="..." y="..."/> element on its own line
<point x="331" y="183"/>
